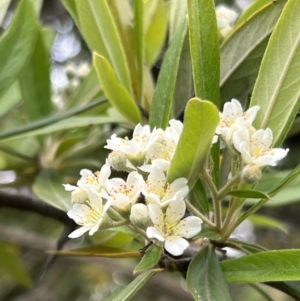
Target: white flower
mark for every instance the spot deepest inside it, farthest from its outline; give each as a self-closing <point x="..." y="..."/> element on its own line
<point x="90" y="215"/>
<point x="135" y="148"/>
<point x="162" y="145"/>
<point x="233" y="117"/>
<point x="157" y="190"/>
<point x="255" y="149"/>
<point x="123" y="195"/>
<point x="170" y="229"/>
<point x="225" y="18"/>
<point x="89" y="181"/>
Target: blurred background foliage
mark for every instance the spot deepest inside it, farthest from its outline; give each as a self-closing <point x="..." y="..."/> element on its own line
<point x="55" y="119"/>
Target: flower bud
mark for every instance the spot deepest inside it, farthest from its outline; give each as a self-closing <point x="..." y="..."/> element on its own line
<point x="117" y="160"/>
<point x="139" y="216"/>
<point x="79" y="196"/>
<point x="251" y="174"/>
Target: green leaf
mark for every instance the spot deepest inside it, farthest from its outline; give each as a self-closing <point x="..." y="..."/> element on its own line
<point x="204" y="45"/>
<point x="123" y="18"/>
<point x="20" y="131"/>
<point x="277" y="87"/>
<point x="178" y="12"/>
<point x="205" y="279"/>
<point x="98" y="251"/>
<point x="88" y="90"/>
<point x="72" y="9"/>
<point x="288" y="179"/>
<point x="254" y="194"/>
<point x="199" y="194"/>
<point x="282" y="186"/>
<point x="48" y="186"/>
<point x="126" y="230"/>
<point x="267" y="222"/>
<point x="251" y="10"/>
<point x="208" y="233"/>
<point x="11" y="265"/>
<point x="291" y="288"/>
<point x="3" y="8"/>
<point x="115" y="91"/>
<point x="100" y="32"/>
<point x="200" y="122"/>
<point x="283" y="265"/>
<point x="163" y="94"/>
<point x="155" y="31"/>
<point x="246" y="247"/>
<point x="149" y="259"/>
<point x="10" y="98"/>
<point x="184" y="86"/>
<point x="242" y="52"/>
<point x="35" y="82"/>
<point x="128" y="291"/>
<point x="69" y="123"/>
<point x="139" y="42"/>
<point x="17" y="44"/>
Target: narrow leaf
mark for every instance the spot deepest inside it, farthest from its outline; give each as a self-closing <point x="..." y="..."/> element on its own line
<point x="178" y="12"/>
<point x="35" y="81"/>
<point x="9" y="134"/>
<point x="10" y="98"/>
<point x="199" y="194"/>
<point x="115" y="91"/>
<point x="72" y="9"/>
<point x="208" y="233"/>
<point x="242" y="52"/>
<point x="254" y="194"/>
<point x="288" y="179"/>
<point x="156" y="23"/>
<point x="204" y="45"/>
<point x="267" y="222"/>
<point x="97" y="26"/>
<point x="149" y="259"/>
<point x="139" y="42"/>
<point x="98" y="251"/>
<point x="163" y="94"/>
<point x="205" y="279"/>
<point x="283" y="265"/>
<point x="48" y="187"/>
<point x="277" y="87"/>
<point x="128" y="291"/>
<point x="88" y="90"/>
<point x="17" y="44"/>
<point x="12" y="266"/>
<point x="251" y="10"/>
<point x="200" y="122"/>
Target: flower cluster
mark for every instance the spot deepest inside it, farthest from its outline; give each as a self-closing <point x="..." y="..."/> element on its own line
<point x="236" y="130"/>
<point x="145" y="199"/>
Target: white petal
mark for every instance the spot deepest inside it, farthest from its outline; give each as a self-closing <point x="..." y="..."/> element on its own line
<point x="175" y="211"/>
<point x="156" y="214"/>
<point x="152" y="232"/>
<point x="264" y="161"/>
<point x="120" y="200"/>
<point x="175" y="245"/>
<point x="79" y="232"/>
<point x="251" y="115"/>
<point x="189" y="227"/>
<point x="245" y="154"/>
<point x="239" y="136"/>
<point x="278" y="153"/>
<point x="69" y="187"/>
